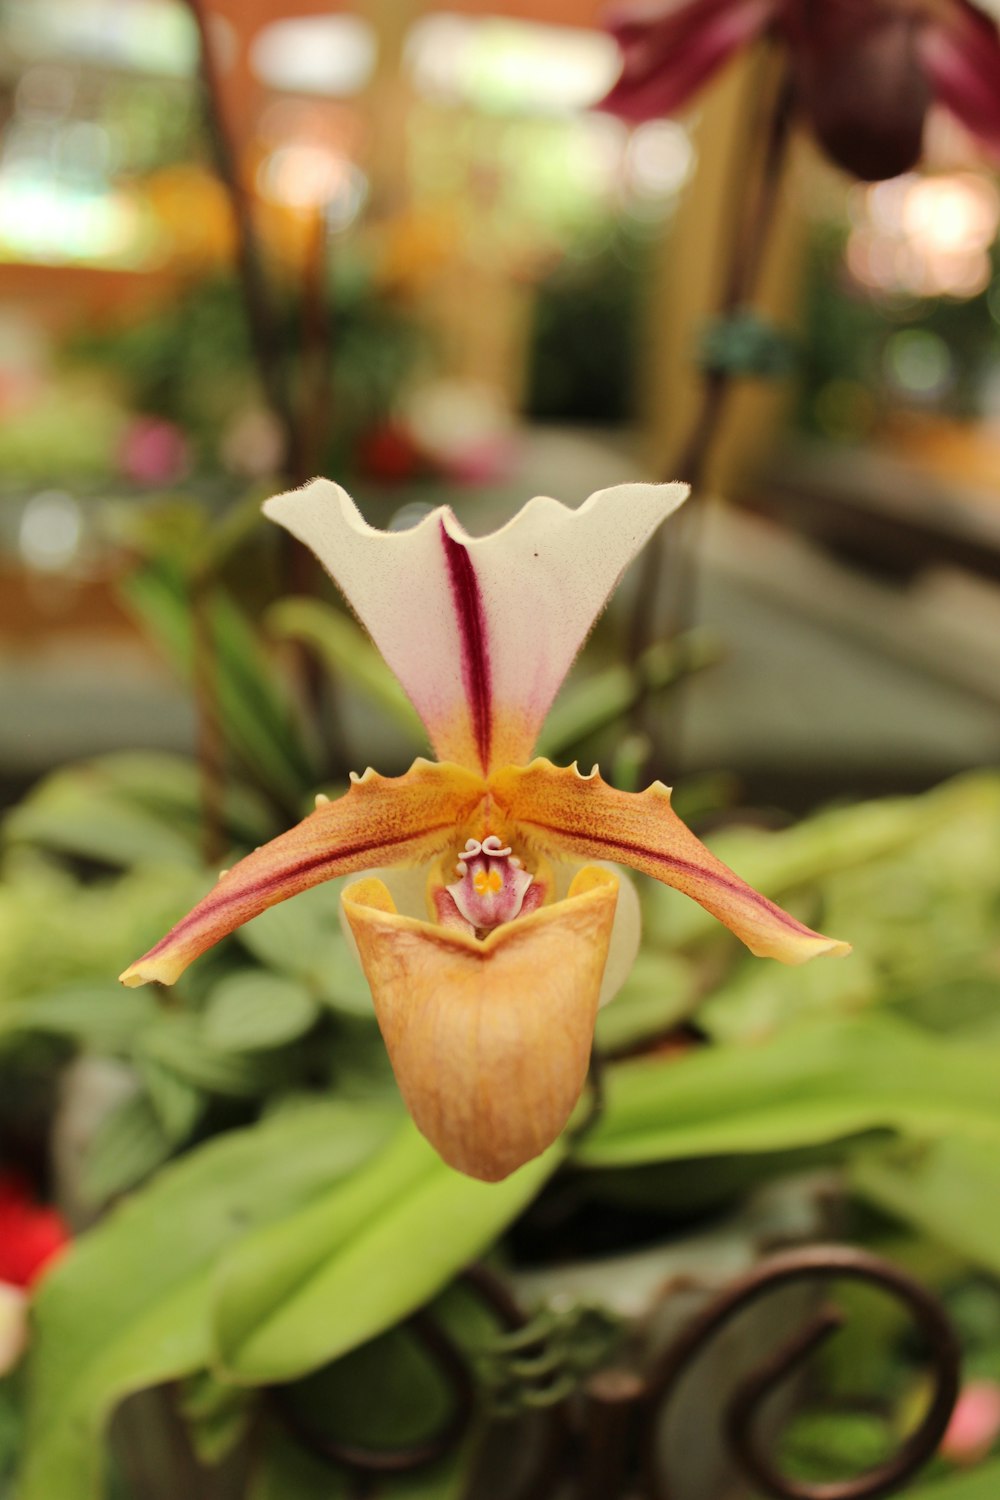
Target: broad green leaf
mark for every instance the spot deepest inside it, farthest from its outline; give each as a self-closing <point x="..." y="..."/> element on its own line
<point x="813" y="850"/>
<point x="304" y="939"/>
<point x="128" y="1145"/>
<point x="170" y="786"/>
<point x="816" y="1081"/>
<point x="592" y="703"/>
<point x="253" y="1009"/>
<point x="661" y="990"/>
<point x="948" y="1189"/>
<point x="253" y="709"/>
<point x="346" y="650"/>
<point x="305" y="1291"/>
<point x="217" y="1415"/>
<point x="102" y="1016"/>
<point x="129" y="1306"/>
<point x="287" y="1472"/>
<point x="176" y="1101"/>
<point x="758" y="999"/>
<point x="72" y="813"/>
<point x="982" y="1483"/>
<point x="180" y="1042"/>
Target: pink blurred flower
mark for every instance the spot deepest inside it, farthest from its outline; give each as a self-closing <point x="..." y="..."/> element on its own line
<point x="154" y="451"/>
<point x="865" y="71"/>
<point x="975" y="1423"/>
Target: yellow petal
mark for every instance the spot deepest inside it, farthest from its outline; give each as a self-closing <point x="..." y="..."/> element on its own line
<point x="564" y="812"/>
<point x="398" y="820"/>
<point x="489" y="1041"/>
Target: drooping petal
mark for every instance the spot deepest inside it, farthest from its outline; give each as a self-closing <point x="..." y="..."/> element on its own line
<point x="960" y="51"/>
<point x="480" y="631"/>
<point x="670" y="49"/>
<point x="565" y="812"/>
<point x="489" y="1041"/>
<point x="861" y="83"/>
<point x="388" y="820"/>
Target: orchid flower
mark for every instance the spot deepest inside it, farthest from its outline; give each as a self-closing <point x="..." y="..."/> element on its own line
<point x="487" y="997"/>
<point x="865" y="71"/>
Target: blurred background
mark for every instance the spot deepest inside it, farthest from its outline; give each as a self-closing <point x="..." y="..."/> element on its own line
<point x="504" y="288"/>
<point x="402" y="245"/>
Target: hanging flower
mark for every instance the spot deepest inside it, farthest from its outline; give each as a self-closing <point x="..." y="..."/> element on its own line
<point x="487" y="998"/>
<point x="865" y="71"/>
<point x="30" y="1237"/>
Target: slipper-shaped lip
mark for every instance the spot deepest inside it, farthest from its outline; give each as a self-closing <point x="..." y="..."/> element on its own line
<point x="489" y="1039"/>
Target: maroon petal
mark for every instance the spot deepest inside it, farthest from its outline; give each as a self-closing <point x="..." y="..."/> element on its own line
<point x="961" y="56"/>
<point x="861" y="83"/>
<point x="669" y="50"/>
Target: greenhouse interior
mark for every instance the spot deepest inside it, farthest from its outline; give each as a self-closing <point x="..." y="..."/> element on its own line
<point x="499" y="749"/>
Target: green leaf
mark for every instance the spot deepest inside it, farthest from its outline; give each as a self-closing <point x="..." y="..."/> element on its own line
<point x="73" y="813"/>
<point x="758" y="999"/>
<point x="285" y="1471"/>
<point x="775" y="863"/>
<point x="982" y="1483"/>
<point x="128" y="1145"/>
<point x="102" y="1016"/>
<point x="128" y="1307"/>
<point x="304" y="939"/>
<point x="347" y="651"/>
<point x="176" y="1101"/>
<point x="170" y="786"/>
<point x="586" y="706"/>
<point x="253" y="706"/>
<point x="816" y="1081"/>
<point x="217" y="1415"/>
<point x="661" y="990"/>
<point x="947" y="1189"/>
<point x="303" y="1292"/>
<point x="180" y="1042"/>
<point x="252" y="1010"/>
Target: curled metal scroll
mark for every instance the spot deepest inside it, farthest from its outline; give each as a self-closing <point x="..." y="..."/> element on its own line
<point x="622" y="1410"/>
<point x="809" y="1263"/>
<point x="450" y="1363"/>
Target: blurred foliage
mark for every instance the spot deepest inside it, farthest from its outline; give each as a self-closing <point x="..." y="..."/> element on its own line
<point x="190" y="363"/>
<point x="847" y="383"/>
<point x="583" y="358"/>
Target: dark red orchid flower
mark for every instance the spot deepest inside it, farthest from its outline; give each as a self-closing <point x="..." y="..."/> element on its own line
<point x="30" y="1234"/>
<point x="865" y="71"/>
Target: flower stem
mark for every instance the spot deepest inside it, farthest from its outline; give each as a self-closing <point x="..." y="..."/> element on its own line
<point x="262" y="323"/>
<point x="670" y="566"/>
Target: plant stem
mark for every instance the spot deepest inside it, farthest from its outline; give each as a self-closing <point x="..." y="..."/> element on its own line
<point x="211" y="748"/>
<point x="264" y="335"/>
<point x="670" y="563"/>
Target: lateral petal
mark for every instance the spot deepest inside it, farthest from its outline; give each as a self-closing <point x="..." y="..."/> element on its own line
<point x="670" y="49"/>
<point x="561" y="811"/>
<point x="379" y="820"/>
<point x="480" y="631"/>
<point x="960" y="50"/>
<point x="490" y="1041"/>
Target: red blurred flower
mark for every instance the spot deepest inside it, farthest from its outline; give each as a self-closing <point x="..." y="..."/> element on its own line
<point x="865" y="71"/>
<point x="30" y="1234"/>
